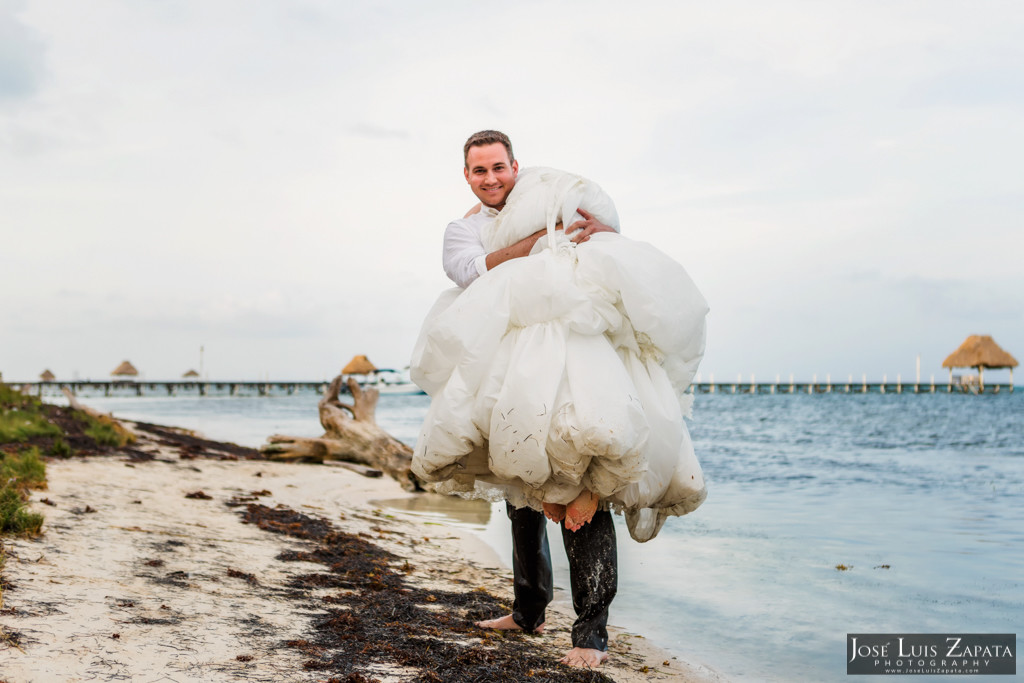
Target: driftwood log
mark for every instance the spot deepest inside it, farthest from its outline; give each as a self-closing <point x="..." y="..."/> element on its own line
<point x="351" y="434"/>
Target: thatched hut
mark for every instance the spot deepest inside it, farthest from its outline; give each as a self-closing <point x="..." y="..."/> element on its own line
<point x="359" y="365"/>
<point x="124" y="371"/>
<point x="980" y="351"/>
<point x="47" y="376"/>
<point x="191" y="374"/>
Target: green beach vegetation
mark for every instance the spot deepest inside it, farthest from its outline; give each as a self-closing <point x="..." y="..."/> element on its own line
<point x="20" y="472"/>
<point x="21" y="419"/>
<point x="31" y="430"/>
<point x="103" y="430"/>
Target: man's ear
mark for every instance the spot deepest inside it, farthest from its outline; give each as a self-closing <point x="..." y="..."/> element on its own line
<point x="515" y="168"/>
<point x="465" y="172"/>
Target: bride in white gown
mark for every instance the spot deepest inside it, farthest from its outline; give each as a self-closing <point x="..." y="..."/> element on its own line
<point x="567" y="370"/>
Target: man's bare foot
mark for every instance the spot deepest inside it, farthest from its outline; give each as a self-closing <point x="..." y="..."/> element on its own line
<point x="585" y="658"/>
<point x="554" y="512"/>
<point x="506" y="623"/>
<point x="580" y="511"/>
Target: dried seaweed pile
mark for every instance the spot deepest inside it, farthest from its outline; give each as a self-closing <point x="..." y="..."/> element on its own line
<point x="377" y="618"/>
<point x="192" y="446"/>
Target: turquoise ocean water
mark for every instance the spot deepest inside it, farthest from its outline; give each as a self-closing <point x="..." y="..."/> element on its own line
<point x="920" y="497"/>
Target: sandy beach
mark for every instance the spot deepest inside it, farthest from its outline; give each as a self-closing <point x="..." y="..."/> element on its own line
<point x="171" y="563"/>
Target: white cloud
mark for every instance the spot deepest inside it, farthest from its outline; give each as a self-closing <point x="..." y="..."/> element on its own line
<point x="21" y="54"/>
<point x="274" y="178"/>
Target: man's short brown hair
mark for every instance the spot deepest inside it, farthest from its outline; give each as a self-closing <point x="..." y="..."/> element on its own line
<point x="487" y="137"/>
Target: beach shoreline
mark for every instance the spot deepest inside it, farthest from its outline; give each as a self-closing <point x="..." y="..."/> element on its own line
<point x="147" y="569"/>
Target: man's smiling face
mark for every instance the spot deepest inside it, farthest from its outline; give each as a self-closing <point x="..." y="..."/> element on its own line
<point x="490" y="174"/>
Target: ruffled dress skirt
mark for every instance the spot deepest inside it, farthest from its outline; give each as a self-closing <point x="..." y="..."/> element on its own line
<point x="564" y="370"/>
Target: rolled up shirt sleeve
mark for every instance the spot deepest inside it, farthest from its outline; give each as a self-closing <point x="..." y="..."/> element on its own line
<point x="464" y="257"/>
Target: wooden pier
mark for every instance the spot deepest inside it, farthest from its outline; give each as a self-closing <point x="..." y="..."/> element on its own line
<point x="242" y="388"/>
<point x="862" y="387"/>
<point x="173" y="388"/>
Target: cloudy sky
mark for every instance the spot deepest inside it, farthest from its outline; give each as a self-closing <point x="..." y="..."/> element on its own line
<point x="271" y="179"/>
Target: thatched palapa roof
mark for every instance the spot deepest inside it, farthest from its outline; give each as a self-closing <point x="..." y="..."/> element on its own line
<point x="979" y="350"/>
<point x="125" y="369"/>
<point x="190" y="373"/>
<point x="359" y="365"/>
<point x="47" y="376"/>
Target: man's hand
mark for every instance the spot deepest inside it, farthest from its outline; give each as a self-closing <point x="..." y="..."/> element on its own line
<point x="580" y="231"/>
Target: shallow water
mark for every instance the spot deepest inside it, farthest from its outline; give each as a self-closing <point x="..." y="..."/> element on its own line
<point x="919" y="496"/>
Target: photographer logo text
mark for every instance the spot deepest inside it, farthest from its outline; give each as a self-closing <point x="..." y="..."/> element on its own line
<point x="931" y="653"/>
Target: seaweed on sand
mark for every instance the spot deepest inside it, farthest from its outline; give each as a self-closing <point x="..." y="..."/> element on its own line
<point x="191" y="446"/>
<point x="380" y="619"/>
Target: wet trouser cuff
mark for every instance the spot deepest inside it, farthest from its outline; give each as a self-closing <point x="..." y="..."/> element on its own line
<point x="531" y="564"/>
<point x="530" y="625"/>
<point x="592" y="553"/>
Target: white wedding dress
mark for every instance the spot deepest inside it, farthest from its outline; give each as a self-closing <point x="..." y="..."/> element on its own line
<point x="564" y="370"/>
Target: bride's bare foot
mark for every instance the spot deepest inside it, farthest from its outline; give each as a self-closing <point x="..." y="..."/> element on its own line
<point x="554" y="512"/>
<point x="505" y="623"/>
<point x="580" y="511"/>
<point x="585" y="658"/>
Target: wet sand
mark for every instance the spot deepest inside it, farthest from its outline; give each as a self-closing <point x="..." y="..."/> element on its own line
<point x="156" y="566"/>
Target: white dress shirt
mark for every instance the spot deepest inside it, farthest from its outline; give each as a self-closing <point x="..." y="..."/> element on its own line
<point x="464" y="257"/>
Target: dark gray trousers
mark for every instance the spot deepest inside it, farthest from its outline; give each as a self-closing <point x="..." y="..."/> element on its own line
<point x="593" y="573"/>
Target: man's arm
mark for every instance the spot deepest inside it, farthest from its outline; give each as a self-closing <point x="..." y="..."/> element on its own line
<point x="520" y="248"/>
<point x="463" y="255"/>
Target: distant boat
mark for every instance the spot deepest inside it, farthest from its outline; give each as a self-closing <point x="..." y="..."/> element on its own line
<point x="384" y="380"/>
<point x="394" y="382"/>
